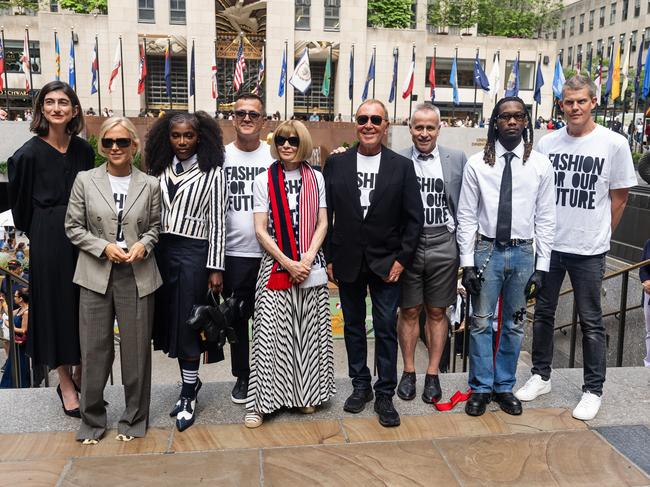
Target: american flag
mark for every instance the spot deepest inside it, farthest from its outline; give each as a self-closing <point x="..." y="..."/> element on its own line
<point x="240" y="66"/>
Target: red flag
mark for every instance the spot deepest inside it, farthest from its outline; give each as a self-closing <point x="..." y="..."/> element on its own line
<point x="142" y="71"/>
<point x="215" y="89"/>
<point x="2" y="64"/>
<point x="432" y="78"/>
<point x="408" y="82"/>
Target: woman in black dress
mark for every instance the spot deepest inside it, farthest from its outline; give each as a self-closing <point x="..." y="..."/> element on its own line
<point x="185" y="151"/>
<point x="41" y="174"/>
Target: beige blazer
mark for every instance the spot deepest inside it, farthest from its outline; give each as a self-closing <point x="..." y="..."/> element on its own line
<point x="91" y="224"/>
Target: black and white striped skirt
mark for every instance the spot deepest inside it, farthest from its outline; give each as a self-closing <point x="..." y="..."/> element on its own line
<point x="292" y="359"/>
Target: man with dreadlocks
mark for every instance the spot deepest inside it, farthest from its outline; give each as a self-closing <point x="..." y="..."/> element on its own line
<point x="506" y="200"/>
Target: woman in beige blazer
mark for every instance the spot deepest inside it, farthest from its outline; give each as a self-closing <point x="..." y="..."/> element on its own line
<point x="114" y="219"/>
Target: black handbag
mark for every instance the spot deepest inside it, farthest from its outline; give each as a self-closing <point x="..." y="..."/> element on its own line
<point x="214" y="321"/>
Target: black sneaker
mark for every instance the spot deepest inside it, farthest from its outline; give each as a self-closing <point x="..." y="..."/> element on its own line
<point x="239" y="393"/>
<point x="406" y="387"/>
<point x="388" y="415"/>
<point x="432" y="391"/>
<point x="178" y="405"/>
<point x="357" y="400"/>
<point x="185" y="417"/>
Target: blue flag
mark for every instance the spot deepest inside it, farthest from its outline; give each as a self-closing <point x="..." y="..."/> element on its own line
<point x="72" y="76"/>
<point x="393" y="84"/>
<point x="453" y="81"/>
<point x="610" y="77"/>
<point x="351" y="80"/>
<point x="369" y="78"/>
<point x="192" y="73"/>
<point x="283" y="74"/>
<point x="168" y="72"/>
<point x="480" y="79"/>
<point x="512" y="87"/>
<point x="558" y="79"/>
<point x="539" y="82"/>
<point x="646" y="76"/>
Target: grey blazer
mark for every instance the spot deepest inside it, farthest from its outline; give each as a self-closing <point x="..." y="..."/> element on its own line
<point x="453" y="162"/>
<point x="91" y="224"/>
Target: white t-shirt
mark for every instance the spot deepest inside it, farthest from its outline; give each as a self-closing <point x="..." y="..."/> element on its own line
<point x="432" y="188"/>
<point x="120" y="188"/>
<point x="586" y="169"/>
<point x="240" y="169"/>
<point x="367" y="169"/>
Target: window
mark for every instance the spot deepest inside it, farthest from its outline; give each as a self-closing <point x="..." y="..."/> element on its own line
<point x="637" y="8"/>
<point x="589" y="52"/>
<point x="555" y="34"/>
<point x="14" y="51"/>
<point x="177" y="12"/>
<point x="464" y="72"/>
<point x="146" y="11"/>
<point x="601" y="20"/>
<point x="526" y="74"/>
<point x="612" y="14"/>
<point x="563" y="29"/>
<point x="54" y="5"/>
<point x="610" y="46"/>
<point x="646" y="38"/>
<point x="591" y="19"/>
<point x="633" y="40"/>
<point x="569" y="61"/>
<point x="156" y="86"/>
<point x="599" y="47"/>
<point x="414" y="14"/>
<point x="626" y="4"/>
<point x="581" y="25"/>
<point x="332" y="15"/>
<point x="572" y="26"/>
<point x="561" y="56"/>
<point x="302" y="14"/>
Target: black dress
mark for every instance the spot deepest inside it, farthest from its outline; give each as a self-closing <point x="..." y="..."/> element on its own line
<point x="40" y="180"/>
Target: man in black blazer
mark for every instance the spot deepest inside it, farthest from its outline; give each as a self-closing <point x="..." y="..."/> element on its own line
<point x="375" y="217"/>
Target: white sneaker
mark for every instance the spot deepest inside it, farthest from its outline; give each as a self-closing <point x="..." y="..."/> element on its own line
<point x="588" y="407"/>
<point x="535" y="386"/>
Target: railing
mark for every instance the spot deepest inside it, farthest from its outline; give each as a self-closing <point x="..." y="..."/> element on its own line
<point x="10" y="278"/>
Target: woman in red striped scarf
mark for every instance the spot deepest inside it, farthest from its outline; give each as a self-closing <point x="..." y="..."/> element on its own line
<point x="292" y="362"/>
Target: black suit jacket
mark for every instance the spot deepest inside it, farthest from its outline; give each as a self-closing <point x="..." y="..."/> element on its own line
<point x="391" y="228"/>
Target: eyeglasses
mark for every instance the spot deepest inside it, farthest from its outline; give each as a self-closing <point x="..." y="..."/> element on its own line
<point x="122" y="143"/>
<point x="374" y="119"/>
<point x="518" y="116"/>
<point x="252" y="115"/>
<point x="293" y="140"/>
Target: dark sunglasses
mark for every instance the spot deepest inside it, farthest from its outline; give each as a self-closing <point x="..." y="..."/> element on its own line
<point x="374" y="119"/>
<point x="122" y="143"/>
<point x="293" y="140"/>
<point x="505" y="117"/>
<point x="252" y="115"/>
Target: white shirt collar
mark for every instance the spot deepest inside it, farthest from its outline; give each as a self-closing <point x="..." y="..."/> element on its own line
<point x="435" y="152"/>
<point x="518" y="151"/>
<point x="187" y="163"/>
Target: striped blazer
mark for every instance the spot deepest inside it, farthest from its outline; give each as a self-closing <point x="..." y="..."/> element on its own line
<point x="198" y="209"/>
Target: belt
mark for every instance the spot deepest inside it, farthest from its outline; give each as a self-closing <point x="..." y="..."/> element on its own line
<point x="511" y="243"/>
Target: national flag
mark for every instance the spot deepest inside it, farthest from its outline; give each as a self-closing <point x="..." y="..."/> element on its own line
<point x="480" y="79"/>
<point x="626" y="69"/>
<point x="608" y="83"/>
<point x="240" y="67"/>
<point x="192" y="74"/>
<point x="407" y="89"/>
<point x="327" y="77"/>
<point x="512" y="87"/>
<point x="25" y="62"/>
<point x="2" y="64"/>
<point x="369" y="78"/>
<point x="117" y="65"/>
<point x="453" y="81"/>
<point x="283" y="74"/>
<point x="301" y="77"/>
<point x="495" y="76"/>
<point x="260" y="75"/>
<point x="168" y="72"/>
<point x="558" y="79"/>
<point x="616" y="75"/>
<point x="57" y="59"/>
<point x="351" y="78"/>
<point x="539" y="82"/>
<point x="94" y="68"/>
<point x="72" y="75"/>
<point x="393" y="84"/>
<point x="215" y="85"/>
<point x="142" y="70"/>
<point x="639" y="67"/>
<point x="432" y="78"/>
<point x="646" y="76"/>
<point x="598" y="81"/>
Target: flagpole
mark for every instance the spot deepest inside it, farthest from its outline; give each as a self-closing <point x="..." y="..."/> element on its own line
<point x="216" y="81"/>
<point x="99" y="85"/>
<point x="411" y="94"/>
<point x="539" y="62"/>
<point x="169" y="55"/>
<point x="496" y="90"/>
<point x="352" y="88"/>
<point x="475" y="88"/>
<point x="122" y="78"/>
<point x="374" y="59"/>
<point x="193" y="81"/>
<point x="59" y="65"/>
<point x="2" y="35"/>
<point x="330" y="104"/>
<point x="396" y="61"/>
<point x="29" y="63"/>
<point x="74" y="59"/>
<point x="453" y="105"/>
<point x="146" y="91"/>
<point x="286" y="77"/>
<point x="263" y="87"/>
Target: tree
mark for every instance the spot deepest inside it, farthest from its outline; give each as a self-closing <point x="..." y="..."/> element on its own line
<point x="458" y="13"/>
<point x="20" y="5"/>
<point x="518" y="18"/>
<point x="85" y="6"/>
<point x="392" y="14"/>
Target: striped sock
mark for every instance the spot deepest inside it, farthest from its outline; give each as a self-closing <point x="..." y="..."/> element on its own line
<point x="189" y="375"/>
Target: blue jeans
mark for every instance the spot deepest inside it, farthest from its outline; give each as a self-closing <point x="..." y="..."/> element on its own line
<point x="505" y="271"/>
<point x="385" y="298"/>
<point x="586" y="275"/>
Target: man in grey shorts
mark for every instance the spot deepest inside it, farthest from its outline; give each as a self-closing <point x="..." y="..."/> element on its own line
<point x="431" y="280"/>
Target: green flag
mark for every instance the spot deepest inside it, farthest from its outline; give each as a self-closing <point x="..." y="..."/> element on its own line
<point x="326" y="78"/>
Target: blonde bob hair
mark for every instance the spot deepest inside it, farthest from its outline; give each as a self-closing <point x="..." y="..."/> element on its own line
<point x="114" y="122"/>
<point x="289" y="128"/>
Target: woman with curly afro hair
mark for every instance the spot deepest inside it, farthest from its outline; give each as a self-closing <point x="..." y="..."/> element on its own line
<point x="185" y="151"/>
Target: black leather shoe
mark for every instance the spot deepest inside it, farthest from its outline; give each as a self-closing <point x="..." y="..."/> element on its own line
<point x="357" y="400"/>
<point x="178" y="406"/>
<point x="432" y="391"/>
<point x="239" y="393"/>
<point x="508" y="403"/>
<point x="388" y="415"/>
<point x="406" y="387"/>
<point x="477" y="402"/>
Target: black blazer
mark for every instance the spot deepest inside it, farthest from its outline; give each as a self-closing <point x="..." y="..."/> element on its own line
<point x="391" y="228"/>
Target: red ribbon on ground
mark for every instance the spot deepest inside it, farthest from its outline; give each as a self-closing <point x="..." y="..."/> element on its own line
<point x="455" y="399"/>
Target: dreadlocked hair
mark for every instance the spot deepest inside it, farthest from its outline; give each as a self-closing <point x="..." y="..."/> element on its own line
<point x="159" y="154"/>
<point x="493" y="131"/>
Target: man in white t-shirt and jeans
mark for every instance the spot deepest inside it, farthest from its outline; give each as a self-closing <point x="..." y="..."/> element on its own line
<point x="593" y="174"/>
<point x="246" y="157"/>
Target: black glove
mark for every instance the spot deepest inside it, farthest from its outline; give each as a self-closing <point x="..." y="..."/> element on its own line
<point x="471" y="281"/>
<point x="534" y="284"/>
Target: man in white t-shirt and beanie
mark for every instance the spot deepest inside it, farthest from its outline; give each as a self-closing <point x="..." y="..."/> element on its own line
<point x="432" y="279"/>
<point x="593" y="174"/>
<point x="246" y="157"/>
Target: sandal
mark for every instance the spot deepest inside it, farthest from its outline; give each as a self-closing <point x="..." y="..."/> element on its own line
<point x="123" y="437"/>
<point x="253" y="419"/>
<point x="89" y="441"/>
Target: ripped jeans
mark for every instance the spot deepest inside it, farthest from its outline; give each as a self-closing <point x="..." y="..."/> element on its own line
<point x="506" y="273"/>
